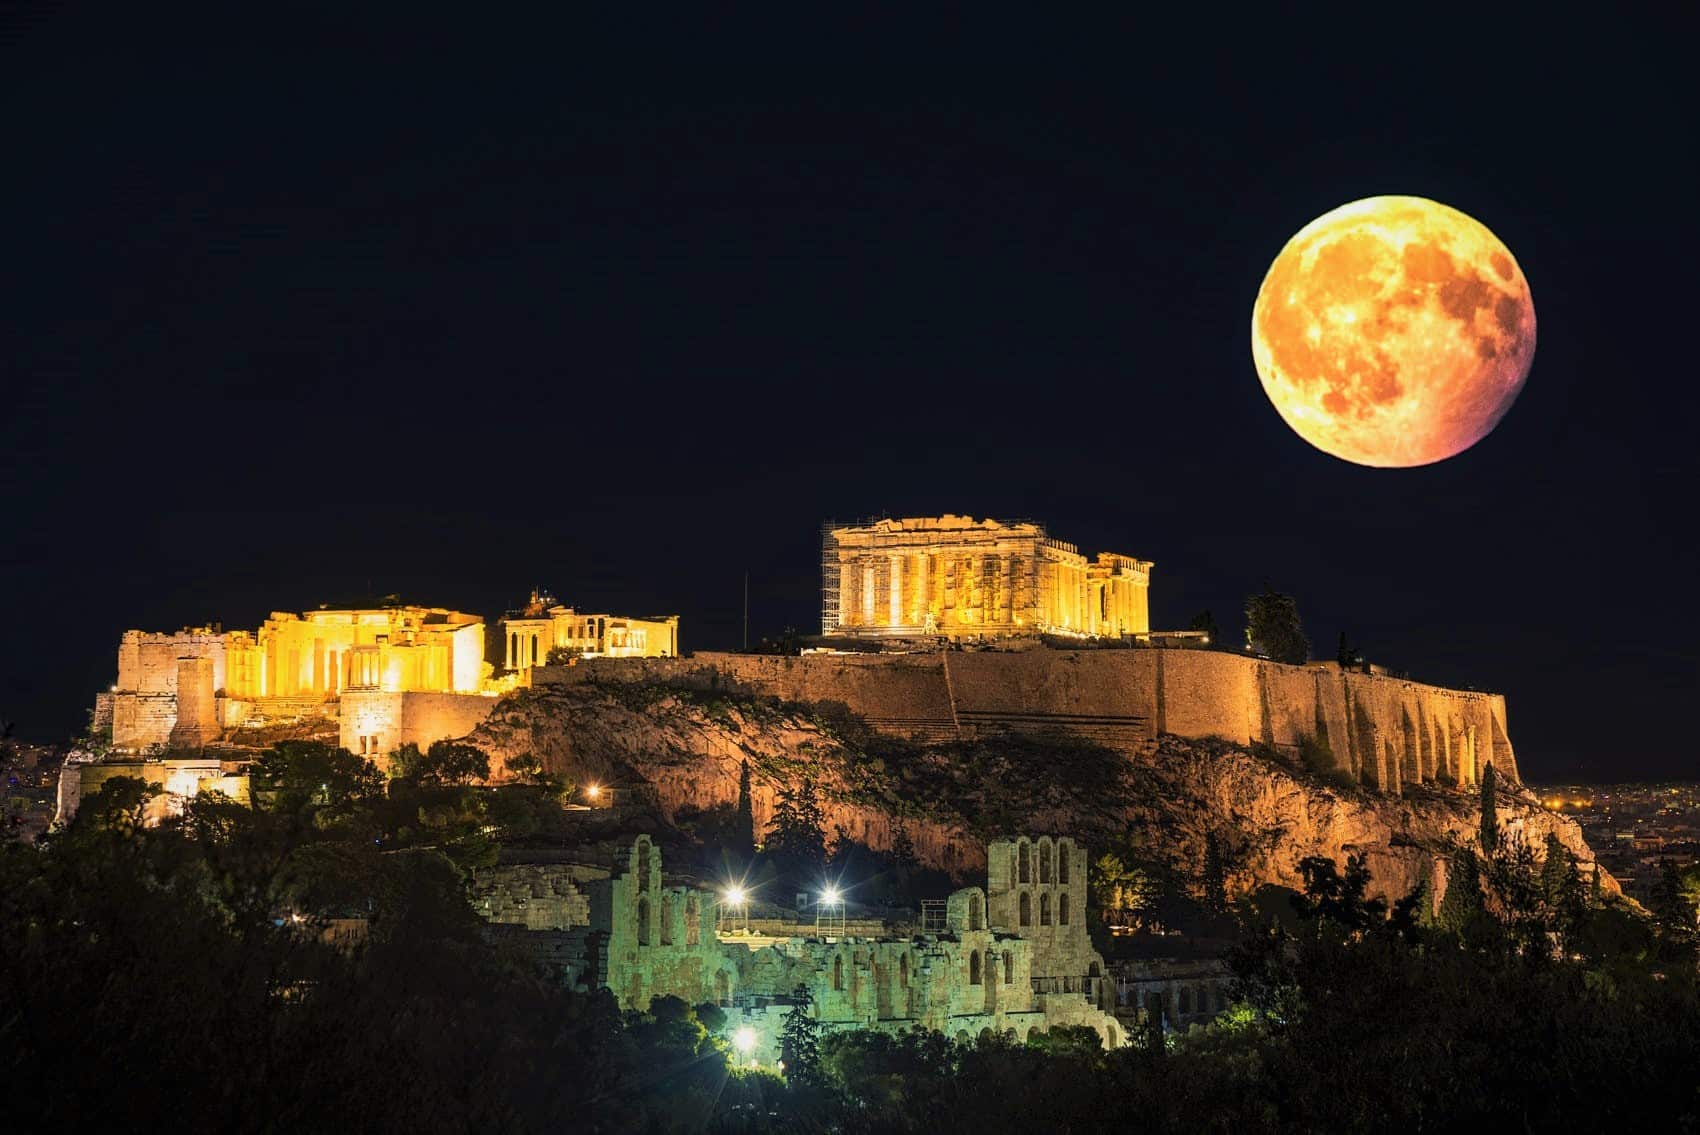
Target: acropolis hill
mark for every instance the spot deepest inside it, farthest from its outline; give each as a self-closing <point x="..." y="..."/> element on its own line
<point x="949" y="637"/>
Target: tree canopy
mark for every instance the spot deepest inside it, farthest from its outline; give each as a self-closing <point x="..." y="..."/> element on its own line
<point x="1272" y="627"/>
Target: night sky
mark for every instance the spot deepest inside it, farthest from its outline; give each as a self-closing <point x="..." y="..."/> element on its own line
<point x="304" y="313"/>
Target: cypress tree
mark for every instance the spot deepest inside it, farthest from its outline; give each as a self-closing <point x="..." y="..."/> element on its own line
<point x="799" y="1041"/>
<point x="796" y="836"/>
<point x="746" y="812"/>
<point x="1215" y="875"/>
<point x="1462" y="903"/>
<point x="1490" y="813"/>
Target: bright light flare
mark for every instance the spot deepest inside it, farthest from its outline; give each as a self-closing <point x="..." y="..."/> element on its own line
<point x="735" y="896"/>
<point x="593" y="791"/>
<point x="831" y="896"/>
<point x="744" y="1040"/>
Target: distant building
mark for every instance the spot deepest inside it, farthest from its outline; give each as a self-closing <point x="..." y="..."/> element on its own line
<point x="959" y="577"/>
<point x="543" y="625"/>
<point x="183" y="690"/>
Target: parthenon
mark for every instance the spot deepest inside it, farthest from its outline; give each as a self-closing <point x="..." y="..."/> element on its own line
<point x="960" y="577"/>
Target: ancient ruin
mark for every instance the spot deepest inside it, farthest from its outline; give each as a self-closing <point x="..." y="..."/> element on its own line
<point x="543" y="625"/>
<point x="959" y="577"/>
<point x="1012" y="957"/>
<point x="183" y="690"/>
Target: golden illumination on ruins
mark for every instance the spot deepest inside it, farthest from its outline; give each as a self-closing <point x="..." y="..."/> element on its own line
<point x="182" y="689"/>
<point x="964" y="578"/>
<point x="543" y="625"/>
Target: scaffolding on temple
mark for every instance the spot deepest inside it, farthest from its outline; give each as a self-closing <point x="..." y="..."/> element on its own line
<point x="828" y="578"/>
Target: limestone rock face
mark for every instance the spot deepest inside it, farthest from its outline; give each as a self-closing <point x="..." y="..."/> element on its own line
<point x="685" y="748"/>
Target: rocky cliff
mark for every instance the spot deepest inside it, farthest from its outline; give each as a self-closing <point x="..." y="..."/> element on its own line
<point x="686" y="747"/>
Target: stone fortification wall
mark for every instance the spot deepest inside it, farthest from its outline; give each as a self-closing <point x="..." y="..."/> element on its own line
<point x="147" y="661"/>
<point x="375" y="723"/>
<point x="1382" y="730"/>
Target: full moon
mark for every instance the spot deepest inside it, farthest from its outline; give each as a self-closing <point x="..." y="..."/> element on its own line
<point x="1393" y="331"/>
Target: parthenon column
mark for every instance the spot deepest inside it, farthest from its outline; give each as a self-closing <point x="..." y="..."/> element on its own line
<point x="922" y="599"/>
<point x="895" y="596"/>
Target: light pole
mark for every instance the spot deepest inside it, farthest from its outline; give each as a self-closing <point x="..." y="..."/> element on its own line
<point x="829" y="913"/>
<point x="734" y="911"/>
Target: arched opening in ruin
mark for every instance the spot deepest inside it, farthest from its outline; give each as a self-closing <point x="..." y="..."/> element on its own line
<point x="1009" y="968"/>
<point x="722" y="989"/>
<point x="973" y="967"/>
<point x="1064" y="854"/>
<point x="643" y="928"/>
<point x="1110" y="1035"/>
<point x="1062" y="909"/>
<point x="976" y="913"/>
<point x="838" y="971"/>
<point x="1044" y="861"/>
<point x="985" y="1034"/>
<point x="903" y="971"/>
<point x="1184" y="1004"/>
<point x="1026" y="909"/>
<point x="1092" y="970"/>
<point x="1024" y="864"/>
<point x="1154" y="1008"/>
<point x="693" y="922"/>
<point x="643" y="850"/>
<point x="666" y="920"/>
<point x="1044" y="910"/>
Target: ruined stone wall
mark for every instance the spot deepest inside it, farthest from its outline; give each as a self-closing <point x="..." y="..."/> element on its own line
<point x="535" y="896"/>
<point x="1384" y="731"/>
<point x="375" y="723"/>
<point x="147" y="662"/>
<point x="145" y="703"/>
<point x="142" y="721"/>
<point x="197" y="710"/>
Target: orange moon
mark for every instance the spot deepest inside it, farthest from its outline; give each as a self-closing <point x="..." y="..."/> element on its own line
<point x="1393" y="331"/>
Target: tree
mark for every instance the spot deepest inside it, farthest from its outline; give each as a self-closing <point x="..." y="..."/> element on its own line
<point x="796" y="835"/>
<point x="1346" y="654"/>
<point x="120" y="805"/>
<point x="562" y="655"/>
<point x="1215" y="875"/>
<point x="1672" y="912"/>
<point x="799" y="1041"/>
<point x="1205" y="621"/>
<point x="1490" y="813"/>
<point x="1461" y="907"/>
<point x="296" y="775"/>
<point x="746" y="812"/>
<point x="1273" y="629"/>
<point x="445" y="763"/>
<point x="903" y="848"/>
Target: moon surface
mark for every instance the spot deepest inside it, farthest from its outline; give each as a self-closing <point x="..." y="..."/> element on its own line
<point x="1393" y="331"/>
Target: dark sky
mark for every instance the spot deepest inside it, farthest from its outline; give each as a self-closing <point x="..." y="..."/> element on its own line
<point x="302" y="312"/>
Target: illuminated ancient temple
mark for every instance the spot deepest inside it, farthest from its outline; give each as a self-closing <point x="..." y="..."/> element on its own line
<point x="960" y="577"/>
<point x="543" y="625"/>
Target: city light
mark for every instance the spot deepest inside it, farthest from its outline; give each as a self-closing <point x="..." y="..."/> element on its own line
<point x="735" y="896"/>
<point x="744" y="1040"/>
<point x="593" y="791"/>
<point x="830" y="896"/>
